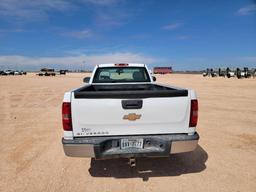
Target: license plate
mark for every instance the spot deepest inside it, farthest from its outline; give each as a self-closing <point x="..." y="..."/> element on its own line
<point x="131" y="143"/>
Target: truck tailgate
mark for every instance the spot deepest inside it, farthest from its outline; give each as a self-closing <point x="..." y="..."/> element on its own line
<point x="106" y="116"/>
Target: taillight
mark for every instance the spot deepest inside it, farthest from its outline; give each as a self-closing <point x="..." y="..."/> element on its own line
<point x="66" y="116"/>
<point x="193" y="113"/>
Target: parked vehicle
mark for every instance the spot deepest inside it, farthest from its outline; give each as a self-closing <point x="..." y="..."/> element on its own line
<point x="17" y="73"/>
<point x="213" y="73"/>
<point x="234" y="72"/>
<point x="239" y="73"/>
<point x="230" y="73"/>
<point x="221" y="72"/>
<point x="63" y="72"/>
<point x="9" y="72"/>
<point x="206" y="73"/>
<point x="49" y="74"/>
<point x="121" y="112"/>
<point x="162" y="70"/>
<point x="46" y="72"/>
<point x="253" y="72"/>
<point x="247" y="72"/>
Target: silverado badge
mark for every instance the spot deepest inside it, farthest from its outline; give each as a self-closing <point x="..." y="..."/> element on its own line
<point x="132" y="117"/>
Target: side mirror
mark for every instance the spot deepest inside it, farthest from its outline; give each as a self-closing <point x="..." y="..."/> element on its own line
<point x="154" y="78"/>
<point x="86" y="79"/>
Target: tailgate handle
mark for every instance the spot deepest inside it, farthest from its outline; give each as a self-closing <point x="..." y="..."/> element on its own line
<point x="132" y="104"/>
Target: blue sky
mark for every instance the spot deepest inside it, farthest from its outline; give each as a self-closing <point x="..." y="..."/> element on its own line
<point x="185" y="34"/>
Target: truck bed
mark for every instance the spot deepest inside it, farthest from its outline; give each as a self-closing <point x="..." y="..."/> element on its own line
<point x="121" y="112"/>
<point x="128" y="91"/>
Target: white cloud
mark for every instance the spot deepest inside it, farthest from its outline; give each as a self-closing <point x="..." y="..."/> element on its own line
<point x="172" y="26"/>
<point x="247" y="10"/>
<point x="71" y="62"/>
<point x="83" y="34"/>
<point x="104" y="12"/>
<point x="23" y="10"/>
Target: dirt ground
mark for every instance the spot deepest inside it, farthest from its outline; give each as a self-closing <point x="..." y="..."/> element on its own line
<point x="32" y="158"/>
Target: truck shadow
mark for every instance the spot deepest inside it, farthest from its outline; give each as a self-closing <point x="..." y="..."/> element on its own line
<point x="175" y="165"/>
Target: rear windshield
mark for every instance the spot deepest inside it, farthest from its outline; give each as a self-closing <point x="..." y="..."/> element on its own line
<point x="121" y="75"/>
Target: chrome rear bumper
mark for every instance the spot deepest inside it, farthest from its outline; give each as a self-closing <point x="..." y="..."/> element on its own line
<point x="108" y="147"/>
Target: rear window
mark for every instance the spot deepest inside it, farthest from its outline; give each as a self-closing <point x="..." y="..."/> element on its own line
<point x="121" y="75"/>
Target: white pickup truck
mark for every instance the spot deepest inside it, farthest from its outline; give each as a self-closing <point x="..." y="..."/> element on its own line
<point x="121" y="112"/>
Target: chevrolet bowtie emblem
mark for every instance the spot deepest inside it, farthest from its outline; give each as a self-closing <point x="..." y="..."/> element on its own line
<point x="132" y="117"/>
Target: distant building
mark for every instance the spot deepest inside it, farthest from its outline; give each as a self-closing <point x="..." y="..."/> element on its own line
<point x="162" y="70"/>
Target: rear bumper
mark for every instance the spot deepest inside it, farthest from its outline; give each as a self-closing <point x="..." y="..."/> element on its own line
<point x="109" y="147"/>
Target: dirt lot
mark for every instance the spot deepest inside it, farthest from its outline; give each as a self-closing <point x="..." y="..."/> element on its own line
<point x="32" y="158"/>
